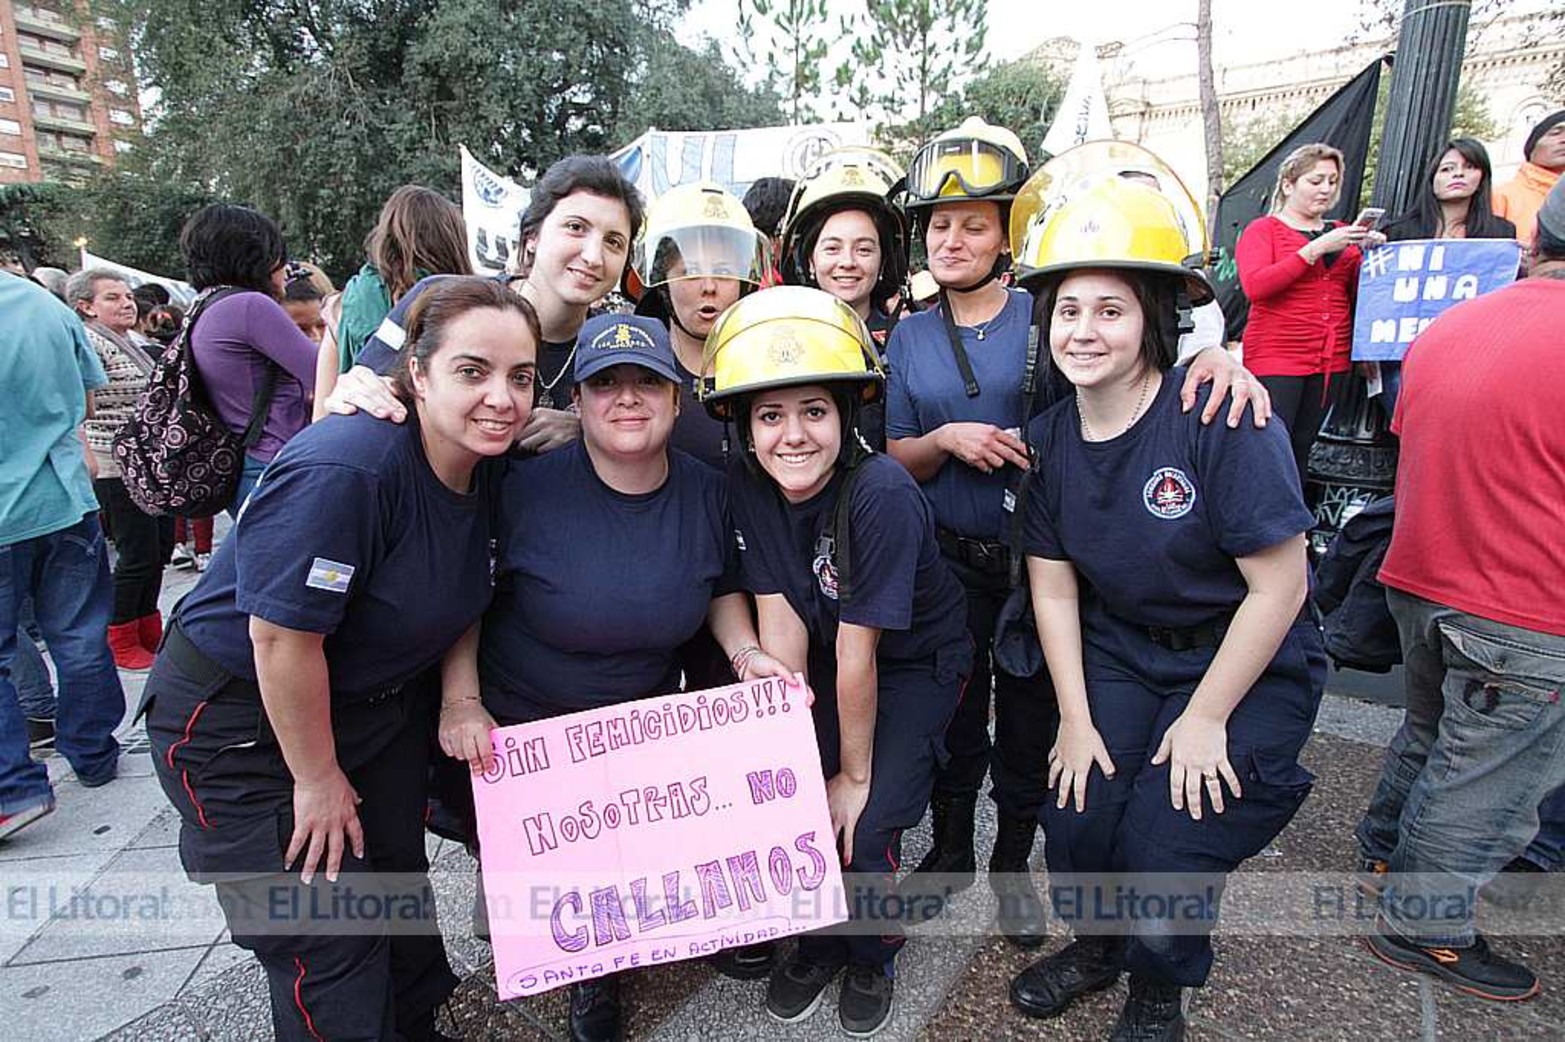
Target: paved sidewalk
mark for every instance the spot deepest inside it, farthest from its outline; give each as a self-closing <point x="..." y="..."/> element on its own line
<point x="83" y="955"/>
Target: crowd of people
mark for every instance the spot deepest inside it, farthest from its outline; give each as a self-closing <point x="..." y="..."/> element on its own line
<point x="1022" y="515"/>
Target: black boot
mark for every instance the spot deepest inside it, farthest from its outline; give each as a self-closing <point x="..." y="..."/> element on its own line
<point x="949" y="867"/>
<point x="952" y="852"/>
<point x="1153" y="1013"/>
<point x="1051" y="984"/>
<point x="595" y="1010"/>
<point x="1022" y="918"/>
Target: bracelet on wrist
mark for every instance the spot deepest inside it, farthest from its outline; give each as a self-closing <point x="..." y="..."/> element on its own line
<point x="741" y="658"/>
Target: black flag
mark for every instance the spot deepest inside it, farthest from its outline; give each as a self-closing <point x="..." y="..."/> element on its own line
<point x="1343" y="122"/>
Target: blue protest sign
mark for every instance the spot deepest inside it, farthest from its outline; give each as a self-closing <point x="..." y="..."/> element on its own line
<point x="1404" y="286"/>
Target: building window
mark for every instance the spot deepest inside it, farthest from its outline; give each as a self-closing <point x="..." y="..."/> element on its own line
<point x="107" y="24"/>
<point x="123" y="146"/>
<point x="10" y="126"/>
<point x="60" y="109"/>
<point x="11" y="158"/>
<point x="5" y="63"/>
<point x="109" y="54"/>
<point x="7" y="94"/>
<point x="121" y="118"/>
<point x="117" y="87"/>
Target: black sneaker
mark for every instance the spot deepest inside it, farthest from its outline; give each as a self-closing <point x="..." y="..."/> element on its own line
<point x="794" y="991"/>
<point x="1475" y="969"/>
<point x="750" y="962"/>
<point x="40" y="733"/>
<point x="865" y="1003"/>
<point x="595" y="1011"/>
<point x="1154" y="1012"/>
<point x="1051" y="984"/>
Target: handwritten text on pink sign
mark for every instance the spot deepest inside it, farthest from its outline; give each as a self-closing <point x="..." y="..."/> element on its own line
<point x="654" y="831"/>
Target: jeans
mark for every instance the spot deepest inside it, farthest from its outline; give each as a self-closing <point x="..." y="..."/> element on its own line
<point x="66" y="573"/>
<point x="34" y="690"/>
<point x="249" y="477"/>
<point x="1481" y="746"/>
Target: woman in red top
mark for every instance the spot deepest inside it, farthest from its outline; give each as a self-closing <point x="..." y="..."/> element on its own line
<point x="1300" y="272"/>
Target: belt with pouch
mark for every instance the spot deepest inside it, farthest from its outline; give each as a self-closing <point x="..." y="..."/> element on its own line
<point x="981" y="555"/>
<point x="202" y="668"/>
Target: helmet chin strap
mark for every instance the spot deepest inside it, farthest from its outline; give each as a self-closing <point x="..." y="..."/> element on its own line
<point x="673" y="313"/>
<point x="995" y="271"/>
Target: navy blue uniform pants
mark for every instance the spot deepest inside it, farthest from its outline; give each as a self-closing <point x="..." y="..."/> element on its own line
<point x="915" y="700"/>
<point x="1026" y="714"/>
<point x="343" y="961"/>
<point x="1136" y="689"/>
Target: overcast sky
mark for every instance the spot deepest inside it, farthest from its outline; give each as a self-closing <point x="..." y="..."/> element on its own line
<point x="1244" y="31"/>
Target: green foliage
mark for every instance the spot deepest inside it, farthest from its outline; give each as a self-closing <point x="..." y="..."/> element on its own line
<point x="922" y="50"/>
<point x="126" y="216"/>
<point x="787" y="38"/>
<point x="1015" y="95"/>
<point x="315" y="112"/>
<point x="1246" y="142"/>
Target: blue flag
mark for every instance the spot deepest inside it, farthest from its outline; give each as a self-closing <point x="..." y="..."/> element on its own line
<point x="1404" y="286"/>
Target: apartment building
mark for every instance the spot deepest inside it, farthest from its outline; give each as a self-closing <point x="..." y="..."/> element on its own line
<point x="68" y="102"/>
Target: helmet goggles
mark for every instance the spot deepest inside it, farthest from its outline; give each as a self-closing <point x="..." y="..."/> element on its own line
<point x="963" y="167"/>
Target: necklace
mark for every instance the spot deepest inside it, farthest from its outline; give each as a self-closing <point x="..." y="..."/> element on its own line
<point x="1135" y="414"/>
<point x="982" y="328"/>
<point x="546" y="397"/>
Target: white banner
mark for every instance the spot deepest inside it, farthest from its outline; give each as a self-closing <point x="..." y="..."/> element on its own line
<point x="658" y="160"/>
<point x="1084" y="112"/>
<point x="492" y="206"/>
<point x="182" y="293"/>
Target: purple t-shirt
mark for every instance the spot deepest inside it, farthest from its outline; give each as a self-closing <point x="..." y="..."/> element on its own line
<point x="231" y="343"/>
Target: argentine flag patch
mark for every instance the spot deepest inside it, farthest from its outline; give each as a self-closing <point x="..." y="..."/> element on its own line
<point x="329" y="575"/>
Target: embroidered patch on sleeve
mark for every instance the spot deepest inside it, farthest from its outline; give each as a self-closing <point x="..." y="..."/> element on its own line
<point x="329" y="575"/>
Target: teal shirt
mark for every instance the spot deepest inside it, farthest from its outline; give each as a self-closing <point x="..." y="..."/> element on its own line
<point x="46" y="369"/>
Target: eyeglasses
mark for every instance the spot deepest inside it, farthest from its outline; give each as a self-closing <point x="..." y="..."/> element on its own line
<point x="293" y="271"/>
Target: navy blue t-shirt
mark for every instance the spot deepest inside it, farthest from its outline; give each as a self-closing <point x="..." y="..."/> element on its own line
<point x="901" y="586"/>
<point x="381" y="349"/>
<point x="596" y="589"/>
<point x="1154" y="518"/>
<point x="695" y="430"/>
<point x="351" y="534"/>
<point x="925" y="391"/>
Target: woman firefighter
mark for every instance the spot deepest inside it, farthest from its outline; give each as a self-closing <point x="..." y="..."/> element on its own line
<point x="838" y="546"/>
<point x="1168" y="582"/>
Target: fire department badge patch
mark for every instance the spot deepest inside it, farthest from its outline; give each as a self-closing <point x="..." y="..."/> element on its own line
<point x="1168" y="493"/>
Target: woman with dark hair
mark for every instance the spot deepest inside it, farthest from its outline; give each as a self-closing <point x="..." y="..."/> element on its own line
<point x="1168" y="580"/>
<point x="843" y="234"/>
<point x="1455" y="204"/>
<point x="576" y="237"/>
<point x="419" y="233"/>
<point x="839" y="549"/>
<point x="249" y="354"/>
<point x="142" y="543"/>
<point x="288" y="709"/>
<point x="601" y="579"/>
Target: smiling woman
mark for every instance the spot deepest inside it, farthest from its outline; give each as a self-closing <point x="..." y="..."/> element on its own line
<point x="602" y="577"/>
<point x="290" y="709"/>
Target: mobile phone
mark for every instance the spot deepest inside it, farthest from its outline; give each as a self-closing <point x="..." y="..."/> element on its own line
<point x="1369" y="217"/>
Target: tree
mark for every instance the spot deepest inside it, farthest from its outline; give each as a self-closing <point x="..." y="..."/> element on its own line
<point x="315" y="112"/>
<point x="923" y="50"/>
<point x="129" y="217"/>
<point x="787" y="38"/>
<point x="26" y="211"/>
<point x="1014" y="95"/>
<point x="1211" y="118"/>
<point x="682" y="89"/>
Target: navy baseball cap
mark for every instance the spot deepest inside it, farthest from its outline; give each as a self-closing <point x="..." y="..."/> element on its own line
<point x="624" y="340"/>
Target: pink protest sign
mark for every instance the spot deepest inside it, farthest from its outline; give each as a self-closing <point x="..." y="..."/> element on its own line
<point x="654" y="831"/>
